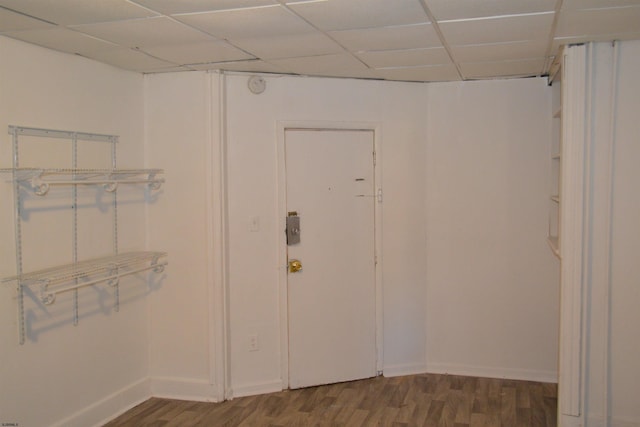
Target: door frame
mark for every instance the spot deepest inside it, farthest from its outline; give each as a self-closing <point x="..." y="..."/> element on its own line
<point x="282" y="127"/>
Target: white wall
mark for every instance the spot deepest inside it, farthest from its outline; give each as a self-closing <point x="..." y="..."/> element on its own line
<point x="65" y="374"/>
<point x="469" y="285"/>
<point x="178" y="119"/>
<point x="625" y="242"/>
<point x="612" y="371"/>
<point x="399" y="109"/>
<point x="175" y="339"/>
<point x="492" y="281"/>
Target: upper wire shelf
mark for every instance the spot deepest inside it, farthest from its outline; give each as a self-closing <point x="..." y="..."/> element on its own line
<point x="61" y="134"/>
<point x="108" y="269"/>
<point x="41" y="179"/>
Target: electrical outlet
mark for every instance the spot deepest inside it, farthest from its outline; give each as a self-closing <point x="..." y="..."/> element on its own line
<point x="254" y="344"/>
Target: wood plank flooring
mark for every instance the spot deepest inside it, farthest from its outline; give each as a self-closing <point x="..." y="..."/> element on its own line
<point x="416" y="400"/>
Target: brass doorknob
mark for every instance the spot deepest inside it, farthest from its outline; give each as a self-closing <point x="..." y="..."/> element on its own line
<point x="295" y="266"/>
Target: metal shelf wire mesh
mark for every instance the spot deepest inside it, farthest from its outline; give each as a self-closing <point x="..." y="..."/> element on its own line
<point x="86" y="268"/>
<point x="40" y="179"/>
<point x="89" y="272"/>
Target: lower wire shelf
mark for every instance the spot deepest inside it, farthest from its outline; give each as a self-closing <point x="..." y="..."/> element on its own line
<point x="109" y="269"/>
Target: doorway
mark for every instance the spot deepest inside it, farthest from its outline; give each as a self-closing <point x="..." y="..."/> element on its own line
<point x="331" y="302"/>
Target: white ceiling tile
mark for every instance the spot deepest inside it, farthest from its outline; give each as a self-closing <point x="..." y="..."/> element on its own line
<point x="130" y="59"/>
<point x="498" y="29"/>
<point x="274" y="47"/>
<point x="339" y="65"/>
<point x="594" y="22"/>
<point x="195" y="53"/>
<point x="499" y="51"/>
<point x="144" y="32"/>
<point x="68" y="12"/>
<point x="247" y="23"/>
<point x="352" y="14"/>
<point x="398" y="37"/>
<point x="488" y="38"/>
<point x="252" y="66"/>
<point x="518" y="68"/>
<point x="435" y="73"/>
<point x="170" y="7"/>
<point x="464" y="9"/>
<point x="11" y="21"/>
<point x="405" y="58"/>
<point x="596" y="4"/>
<point x="64" y="40"/>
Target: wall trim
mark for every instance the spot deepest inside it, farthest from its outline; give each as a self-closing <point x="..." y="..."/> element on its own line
<point x="214" y="356"/>
<point x="572" y="231"/>
<point x="217" y="241"/>
<point x="404" y="369"/>
<point x="184" y="389"/>
<point x="607" y="260"/>
<point x="599" y="421"/>
<point x="253" y="389"/>
<point x="493" y="372"/>
<point x="570" y="421"/>
<point x="109" y="407"/>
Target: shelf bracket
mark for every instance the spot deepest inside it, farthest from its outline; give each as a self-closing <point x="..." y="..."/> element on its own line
<point x="46" y="297"/>
<point x="38" y="186"/>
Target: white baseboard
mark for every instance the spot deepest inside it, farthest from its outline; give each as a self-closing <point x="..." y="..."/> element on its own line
<point x="617" y="422"/>
<point x="198" y="390"/>
<point x="490" y="372"/>
<point x="570" y="421"/>
<point x="184" y="389"/>
<point x="257" y="388"/>
<point x="122" y="400"/>
<point x="98" y="413"/>
<point x="406" y="369"/>
<point x="598" y="421"/>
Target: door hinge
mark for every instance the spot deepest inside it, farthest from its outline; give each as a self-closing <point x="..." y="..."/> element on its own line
<point x="374" y="158"/>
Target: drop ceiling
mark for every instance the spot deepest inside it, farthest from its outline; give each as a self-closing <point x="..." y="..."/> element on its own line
<point x="410" y="40"/>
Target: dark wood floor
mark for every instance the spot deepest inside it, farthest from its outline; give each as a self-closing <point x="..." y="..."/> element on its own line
<point x="417" y="400"/>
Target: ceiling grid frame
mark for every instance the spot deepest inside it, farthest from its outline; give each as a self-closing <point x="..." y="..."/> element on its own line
<point x="412" y="40"/>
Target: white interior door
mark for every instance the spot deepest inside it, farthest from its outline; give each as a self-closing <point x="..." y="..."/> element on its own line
<point x="332" y="300"/>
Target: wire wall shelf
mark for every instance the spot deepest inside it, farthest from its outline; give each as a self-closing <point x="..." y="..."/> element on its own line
<point x="40" y="180"/>
<point x="109" y="269"/>
<point x="77" y="274"/>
